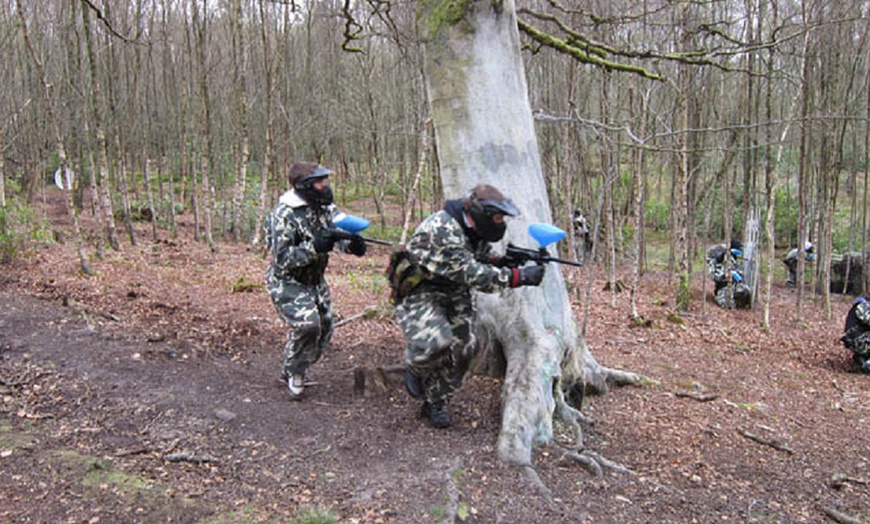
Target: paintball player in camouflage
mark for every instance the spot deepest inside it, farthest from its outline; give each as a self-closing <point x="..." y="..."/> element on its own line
<point x="296" y="233"/>
<point x="857" y="332"/>
<point x="791" y="260"/>
<point x="741" y="295"/>
<point x="448" y="257"/>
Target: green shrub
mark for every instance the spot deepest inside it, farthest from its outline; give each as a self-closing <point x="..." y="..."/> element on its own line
<point x="19" y="227"/>
<point x="658" y="215"/>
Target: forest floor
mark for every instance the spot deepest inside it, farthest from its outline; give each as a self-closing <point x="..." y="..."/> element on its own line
<point x="149" y="392"/>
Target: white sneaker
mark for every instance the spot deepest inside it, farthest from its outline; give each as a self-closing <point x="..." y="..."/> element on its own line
<point x="296" y="385"/>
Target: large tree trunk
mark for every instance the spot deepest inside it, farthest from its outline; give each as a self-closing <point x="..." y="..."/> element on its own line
<point x="484" y="131"/>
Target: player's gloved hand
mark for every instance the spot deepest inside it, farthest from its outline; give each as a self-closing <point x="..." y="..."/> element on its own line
<point x="324" y="244"/>
<point x="527" y="276"/>
<point x="357" y="246"/>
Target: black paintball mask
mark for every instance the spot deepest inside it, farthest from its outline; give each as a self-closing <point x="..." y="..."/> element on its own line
<point x="304" y="187"/>
<point x="487" y="208"/>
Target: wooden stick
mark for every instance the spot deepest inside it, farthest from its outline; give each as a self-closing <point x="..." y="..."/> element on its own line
<point x="697" y="396"/>
<point x="775" y="445"/>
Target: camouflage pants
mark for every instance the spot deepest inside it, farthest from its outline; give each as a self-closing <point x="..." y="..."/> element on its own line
<point x="742" y="296"/>
<point x="308" y="312"/>
<point x="861" y="344"/>
<point x="440" y="339"/>
<point x="791" y="264"/>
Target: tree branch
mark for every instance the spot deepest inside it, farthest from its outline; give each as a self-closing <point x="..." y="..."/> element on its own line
<point x="581" y="55"/>
<point x="100" y="16"/>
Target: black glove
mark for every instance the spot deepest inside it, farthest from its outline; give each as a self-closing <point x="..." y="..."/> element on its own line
<point x="527" y="276"/>
<point x="357" y="246"/>
<point x="324" y="244"/>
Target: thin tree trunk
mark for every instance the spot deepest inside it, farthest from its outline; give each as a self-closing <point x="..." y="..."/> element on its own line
<point x="204" y="153"/>
<point x="149" y="196"/>
<point x="99" y="124"/>
<point x="84" y="265"/>
<point x="266" y="170"/>
<point x="241" y="87"/>
<point x="802" y="174"/>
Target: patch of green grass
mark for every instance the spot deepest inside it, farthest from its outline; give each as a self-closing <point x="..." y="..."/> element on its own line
<point x="12" y="439"/>
<point x="437" y="512"/>
<point x="315" y="516"/>
<point x="245" y="286"/>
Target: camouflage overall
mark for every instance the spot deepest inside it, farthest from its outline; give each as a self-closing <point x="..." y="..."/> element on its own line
<point x="738" y="295"/>
<point x="437" y="315"/>
<point x="295" y="279"/>
<point x="857" y="333"/>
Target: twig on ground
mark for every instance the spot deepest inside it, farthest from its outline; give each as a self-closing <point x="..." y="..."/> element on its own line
<point x="351" y="318"/>
<point x="137" y="451"/>
<point x="842" y="518"/>
<point x="188" y="457"/>
<point x="839" y="479"/>
<point x="700" y="397"/>
<point x="761" y="440"/>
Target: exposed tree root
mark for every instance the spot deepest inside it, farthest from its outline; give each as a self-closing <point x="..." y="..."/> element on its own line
<point x="533" y="477"/>
<point x="623" y="378"/>
<point x="569" y="414"/>
<point x="593" y="462"/>
<point x="589" y="460"/>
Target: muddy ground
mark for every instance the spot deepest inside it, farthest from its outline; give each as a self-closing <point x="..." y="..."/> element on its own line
<point x="149" y="392"/>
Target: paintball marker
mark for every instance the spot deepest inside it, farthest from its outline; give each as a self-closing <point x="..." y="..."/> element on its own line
<point x="350" y="225"/>
<point x="544" y="235"/>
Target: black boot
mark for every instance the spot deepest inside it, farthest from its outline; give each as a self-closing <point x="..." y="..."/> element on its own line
<point x="436" y="413"/>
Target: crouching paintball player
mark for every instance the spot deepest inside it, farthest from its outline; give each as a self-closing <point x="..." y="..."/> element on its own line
<point x="447" y="258"/>
<point x="857" y="332"/>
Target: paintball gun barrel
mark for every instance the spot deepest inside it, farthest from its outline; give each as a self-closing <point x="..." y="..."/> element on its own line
<point x="340" y="234"/>
<point x="350" y="225"/>
<point x="544" y="235"/>
<point x="539" y="256"/>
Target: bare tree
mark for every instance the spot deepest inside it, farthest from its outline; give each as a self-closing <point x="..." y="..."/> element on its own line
<point x="484" y="133"/>
<point x="97" y="106"/>
<point x="63" y="169"/>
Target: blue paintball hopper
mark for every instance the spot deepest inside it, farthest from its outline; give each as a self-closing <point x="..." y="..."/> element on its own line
<point x="545" y="234"/>
<point x="736" y="277"/>
<point x="737" y="252"/>
<point x="350" y="223"/>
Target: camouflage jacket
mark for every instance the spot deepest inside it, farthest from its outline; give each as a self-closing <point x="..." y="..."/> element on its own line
<point x="289" y="231"/>
<point x="450" y="260"/>
<point x="716" y="262"/>
<point x="857" y="322"/>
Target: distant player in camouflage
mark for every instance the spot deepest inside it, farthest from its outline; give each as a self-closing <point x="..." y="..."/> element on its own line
<point x="791" y="261"/>
<point x="739" y="296"/>
<point x="448" y="257"/>
<point x="296" y="233"/>
<point x="857" y="332"/>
